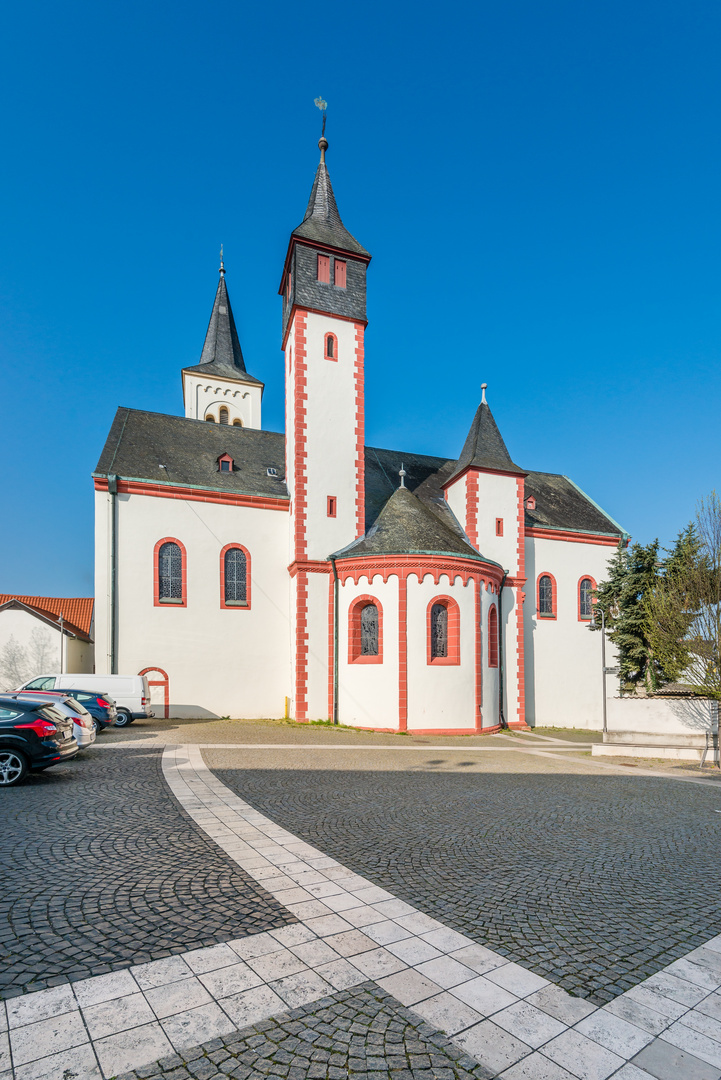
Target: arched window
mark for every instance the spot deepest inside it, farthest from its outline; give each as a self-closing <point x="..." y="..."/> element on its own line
<point x="443" y="631"/>
<point x="222" y="415"/>
<point x="439" y="630"/>
<point x="493" y="636"/>
<point x="169" y="572"/>
<point x="237" y="423"/>
<point x="365" y="631"/>
<point x="586" y="587"/>
<point x="547" y="596"/>
<point x="210" y="419"/>
<point x="331" y="347"/>
<point x="235" y="577"/>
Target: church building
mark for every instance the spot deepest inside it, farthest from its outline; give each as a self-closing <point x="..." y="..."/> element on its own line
<point x="255" y="574"/>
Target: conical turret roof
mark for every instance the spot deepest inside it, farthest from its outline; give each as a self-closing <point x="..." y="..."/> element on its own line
<point x="322" y="223"/>
<point x="406" y="526"/>
<point x="484" y="447"/>
<point x="222" y="354"/>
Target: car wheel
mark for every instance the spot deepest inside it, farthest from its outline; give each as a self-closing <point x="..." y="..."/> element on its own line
<point x="98" y="727"/>
<point x="13" y="767"/>
<point x="123" y="719"/>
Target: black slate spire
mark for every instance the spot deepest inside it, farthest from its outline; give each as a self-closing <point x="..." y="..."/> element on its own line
<point x="484" y="447"/>
<point x="222" y="354"/>
<point x="322" y="223"/>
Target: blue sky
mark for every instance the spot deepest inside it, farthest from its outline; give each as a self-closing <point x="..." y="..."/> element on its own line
<point x="538" y="185"/>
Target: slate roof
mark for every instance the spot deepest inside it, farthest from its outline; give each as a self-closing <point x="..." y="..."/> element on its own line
<point x="322" y="223"/>
<point x="140" y="442"/>
<point x="77" y="611"/>
<point x="484" y="446"/>
<point x="222" y="354"/>
<point x="408" y="526"/>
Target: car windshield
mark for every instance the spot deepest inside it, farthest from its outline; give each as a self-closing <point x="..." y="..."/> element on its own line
<point x="9" y="714"/>
<point x="50" y="712"/>
<point x="75" y="705"/>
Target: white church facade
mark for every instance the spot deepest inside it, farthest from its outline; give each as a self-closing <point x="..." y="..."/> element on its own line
<point x="253" y="574"/>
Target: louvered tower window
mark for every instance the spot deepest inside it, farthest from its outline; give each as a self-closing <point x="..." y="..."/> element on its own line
<point x="170" y="572"/>
<point x="369" y="630"/>
<point x="236" y="584"/>
<point x="439" y="630"/>
<point x="223" y="415"/>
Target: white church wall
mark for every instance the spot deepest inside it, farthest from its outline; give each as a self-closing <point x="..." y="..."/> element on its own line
<point x="563" y="658"/>
<point x="102" y="581"/>
<point x="498" y="498"/>
<point x="489" y="681"/>
<point x="330" y="436"/>
<point x="224" y="662"/>
<point x="317" y="625"/>
<point x="204" y="396"/>
<point x="440" y="695"/>
<point x="368" y="693"/>
<point x="456" y="497"/>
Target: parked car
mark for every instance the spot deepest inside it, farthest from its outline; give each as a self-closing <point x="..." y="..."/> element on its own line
<point x="130" y="693"/>
<point x="33" y="736"/>
<point x="85" y="727"/>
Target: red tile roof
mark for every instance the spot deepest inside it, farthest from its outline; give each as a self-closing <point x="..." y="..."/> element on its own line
<point x="77" y="611"/>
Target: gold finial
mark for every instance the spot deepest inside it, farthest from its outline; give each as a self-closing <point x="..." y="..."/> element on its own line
<point x="322" y="142"/>
<point x="222" y="267"/>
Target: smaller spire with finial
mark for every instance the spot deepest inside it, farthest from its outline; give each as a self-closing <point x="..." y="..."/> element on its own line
<point x="222" y="265"/>
<point x="402" y="473"/>
<point x="322" y="142"/>
<point x="484" y="387"/>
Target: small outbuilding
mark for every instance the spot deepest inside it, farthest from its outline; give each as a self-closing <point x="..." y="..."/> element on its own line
<point x="40" y="634"/>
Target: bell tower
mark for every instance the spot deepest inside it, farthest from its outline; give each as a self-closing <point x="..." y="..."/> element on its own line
<point x="324" y="318"/>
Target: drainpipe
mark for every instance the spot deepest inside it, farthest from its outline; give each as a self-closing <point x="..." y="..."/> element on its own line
<point x="113" y="491"/>
<point x="501" y="718"/>
<point x="335" y="641"/>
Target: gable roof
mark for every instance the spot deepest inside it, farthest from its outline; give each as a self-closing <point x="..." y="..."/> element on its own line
<point x="408" y="526"/>
<point x="484" y="447"/>
<point x="322" y="223"/>
<point x="77" y="611"/>
<point x="222" y="354"/>
<point x="140" y="442"/>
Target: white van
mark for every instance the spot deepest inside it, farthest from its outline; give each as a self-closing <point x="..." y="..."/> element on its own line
<point x="130" y="693"/>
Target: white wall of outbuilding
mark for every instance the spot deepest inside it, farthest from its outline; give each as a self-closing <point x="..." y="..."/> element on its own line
<point x="30" y="646"/>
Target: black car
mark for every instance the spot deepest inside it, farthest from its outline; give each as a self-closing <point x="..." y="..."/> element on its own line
<point x="100" y="706"/>
<point x="32" y="737"/>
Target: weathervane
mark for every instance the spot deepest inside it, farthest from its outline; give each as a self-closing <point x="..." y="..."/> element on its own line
<point x="322" y="105"/>
<point x="222" y="267"/>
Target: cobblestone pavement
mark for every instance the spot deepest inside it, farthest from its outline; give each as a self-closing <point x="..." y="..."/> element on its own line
<point x="101" y="869"/>
<point x="594" y="882"/>
<point x="362" y="1032"/>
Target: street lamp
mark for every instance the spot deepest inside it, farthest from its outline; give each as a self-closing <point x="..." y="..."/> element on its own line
<point x="593" y="625"/>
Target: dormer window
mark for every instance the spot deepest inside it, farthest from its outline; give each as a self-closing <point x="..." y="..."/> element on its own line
<point x="339" y="273"/>
<point x="324" y="268"/>
<point x="531" y="503"/>
<point x="271" y="472"/>
<point x="225" y="463"/>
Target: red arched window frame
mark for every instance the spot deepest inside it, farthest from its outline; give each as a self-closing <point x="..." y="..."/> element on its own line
<point x="594" y="586"/>
<point x="454" y="632"/>
<point x="553" y="613"/>
<point x="333" y="348"/>
<point x="354" y="631"/>
<point x="157" y="602"/>
<point x="248" y="579"/>
<point x="493" y="636"/>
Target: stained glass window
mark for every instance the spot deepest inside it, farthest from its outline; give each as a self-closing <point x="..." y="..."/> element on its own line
<point x="369" y="630"/>
<point x="439" y="630"/>
<point x="235" y="576"/>
<point x="585" y="598"/>
<point x="545" y="596"/>
<point x="492" y="636"/>
<point x="170" y="572"/>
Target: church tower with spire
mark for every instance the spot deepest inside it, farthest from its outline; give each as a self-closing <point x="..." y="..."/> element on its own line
<point x="324" y="318"/>
<point x="219" y="389"/>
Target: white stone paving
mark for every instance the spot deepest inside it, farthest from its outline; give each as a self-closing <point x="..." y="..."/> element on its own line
<point x="512" y="1021"/>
